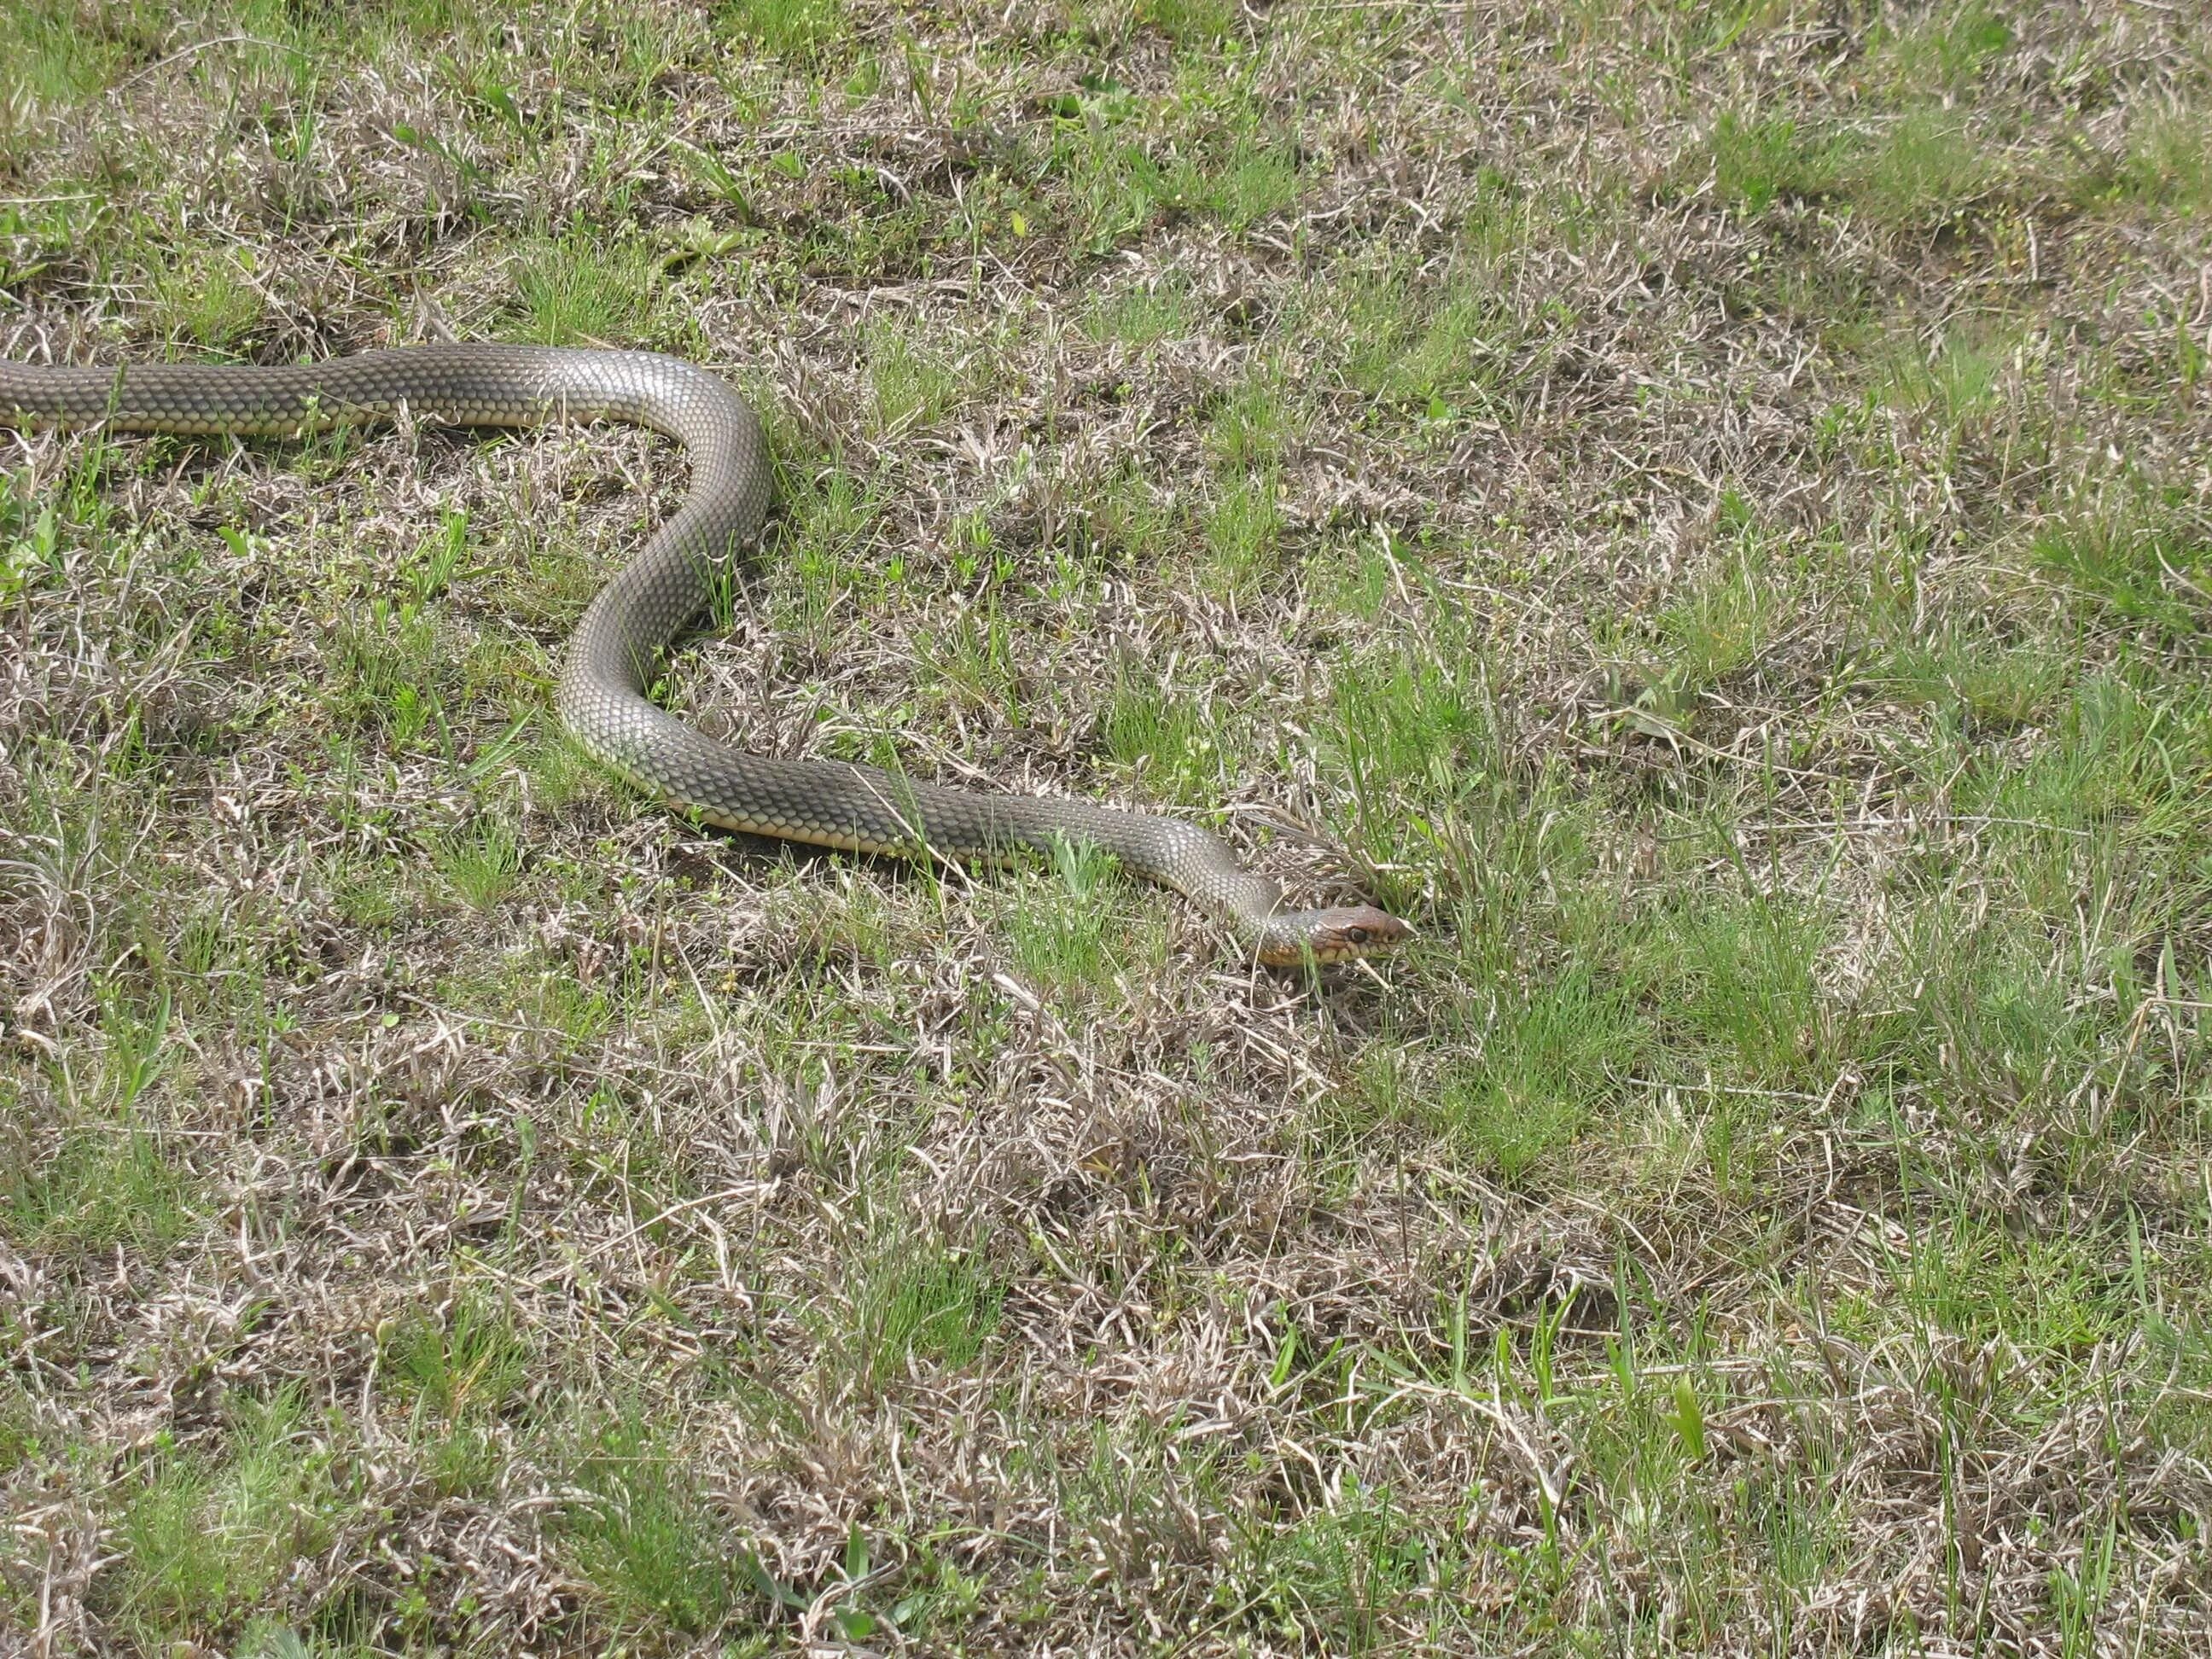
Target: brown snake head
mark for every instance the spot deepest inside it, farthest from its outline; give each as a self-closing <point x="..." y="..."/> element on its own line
<point x="1342" y="933"/>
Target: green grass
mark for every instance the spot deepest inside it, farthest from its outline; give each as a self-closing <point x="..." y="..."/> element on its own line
<point x="1698" y="507"/>
<point x="799" y="30"/>
<point x="478" y="862"/>
<point x="1978" y="681"/>
<point x="940" y="1309"/>
<point x="914" y="387"/>
<point x="1758" y="160"/>
<point x="1927" y="165"/>
<point x="209" y="1537"/>
<point x="1730" y="616"/>
<point x="644" y="1534"/>
<point x="1143" y="316"/>
<point x="106" y="1184"/>
<point x="1962" y="377"/>
<point x="54" y="59"/>
<point x="1551" y="1057"/>
<point x="579" y="290"/>
<point x="209" y="303"/>
<point x="2169" y="159"/>
<point x="2140" y="561"/>
<point x="1063" y="932"/>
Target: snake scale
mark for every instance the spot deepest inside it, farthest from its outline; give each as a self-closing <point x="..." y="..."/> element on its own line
<point x="602" y="694"/>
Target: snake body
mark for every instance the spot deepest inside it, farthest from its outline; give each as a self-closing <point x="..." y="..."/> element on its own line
<point x="602" y="694"/>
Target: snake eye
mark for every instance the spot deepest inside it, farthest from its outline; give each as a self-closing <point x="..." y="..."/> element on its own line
<point x="1355" y="935"/>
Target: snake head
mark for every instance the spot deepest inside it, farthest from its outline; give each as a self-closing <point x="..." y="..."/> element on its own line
<point x="1342" y="933"/>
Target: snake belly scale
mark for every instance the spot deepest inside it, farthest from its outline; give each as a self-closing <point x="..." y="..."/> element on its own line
<point x="602" y="697"/>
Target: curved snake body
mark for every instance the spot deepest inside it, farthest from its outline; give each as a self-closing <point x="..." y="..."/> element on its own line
<point x="602" y="694"/>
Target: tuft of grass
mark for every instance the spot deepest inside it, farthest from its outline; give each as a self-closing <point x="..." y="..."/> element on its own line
<point x="913" y="386"/>
<point x="1253" y="427"/>
<point x="53" y="58"/>
<point x="1064" y="934"/>
<point x="1254" y="180"/>
<point x="644" y="1537"/>
<point x="468" y="1361"/>
<point x="2143" y="559"/>
<point x="1960" y="378"/>
<point x="1749" y="984"/>
<point x="797" y="30"/>
<point x="1335" y="1572"/>
<point x="104" y="1184"/>
<point x="1243" y="529"/>
<point x="1189" y="22"/>
<point x="1551" y="1054"/>
<point x="1758" y="160"/>
<point x="1175" y="748"/>
<point x="1730" y="616"/>
<point x="1435" y="345"/>
<point x="579" y="288"/>
<point x="1948" y="48"/>
<point x="108" y="1181"/>
<point x="1978" y="680"/>
<point x="2169" y="159"/>
<point x="210" y="1537"/>
<point x="210" y="301"/>
<point x="389" y="663"/>
<point x="921" y="1304"/>
<point x="1142" y="316"/>
<point x="479" y="862"/>
<point x="1927" y="166"/>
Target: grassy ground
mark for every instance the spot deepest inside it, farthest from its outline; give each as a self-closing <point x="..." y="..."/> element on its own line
<point x="1708" y="508"/>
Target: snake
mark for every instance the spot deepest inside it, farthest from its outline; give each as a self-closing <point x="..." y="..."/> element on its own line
<point x="602" y="696"/>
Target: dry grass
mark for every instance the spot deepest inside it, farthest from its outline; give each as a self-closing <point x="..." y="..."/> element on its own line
<point x="1706" y="507"/>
